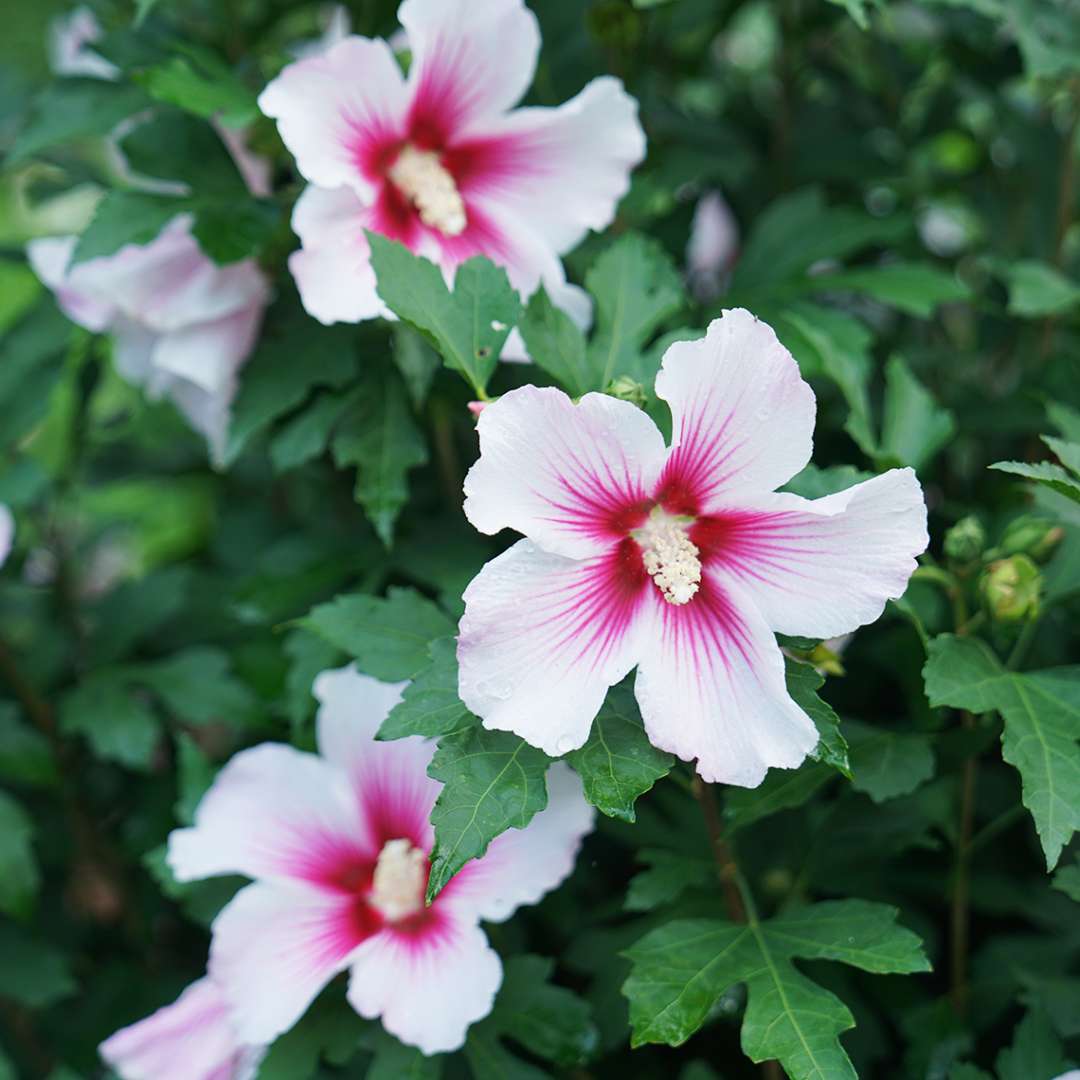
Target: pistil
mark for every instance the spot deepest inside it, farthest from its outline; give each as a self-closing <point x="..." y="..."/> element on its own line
<point x="397" y="887"/>
<point x="670" y="557"/>
<point x="420" y="176"/>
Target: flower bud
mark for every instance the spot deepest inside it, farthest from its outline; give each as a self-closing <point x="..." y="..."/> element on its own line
<point x="1010" y="588"/>
<point x="965" y="540"/>
<point x="1032" y="536"/>
<point x="626" y="389"/>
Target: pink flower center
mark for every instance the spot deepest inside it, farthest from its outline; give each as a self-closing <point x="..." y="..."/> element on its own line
<point x="669" y="556"/>
<point x="428" y="185"/>
<point x="397" y="886"/>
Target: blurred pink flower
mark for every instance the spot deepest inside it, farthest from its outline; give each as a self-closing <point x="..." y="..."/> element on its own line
<point x="182" y="326"/>
<point x="713" y="246"/>
<point x="70" y="38"/>
<point x="191" y="1039"/>
<point x="682" y="561"/>
<point x="338" y="845"/>
<point x="441" y="160"/>
<point x="7" y="533"/>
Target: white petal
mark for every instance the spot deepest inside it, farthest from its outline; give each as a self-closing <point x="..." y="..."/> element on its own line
<point x="333" y="268"/>
<point x="7" y="533"/>
<point x="713" y="245"/>
<point x="562" y="474"/>
<point x="522" y="865"/>
<point x="821" y="568"/>
<point x="389" y="779"/>
<point x="275" y="946"/>
<point x="542" y="639"/>
<point x="743" y="416"/>
<point x="70" y="38"/>
<point x="191" y="1039"/>
<point x="49" y="258"/>
<point x="427" y="987"/>
<point x="469" y="61"/>
<point x="276" y="812"/>
<point x="255" y="169"/>
<point x="332" y="106"/>
<point x="565" y="169"/>
<point x="711" y="686"/>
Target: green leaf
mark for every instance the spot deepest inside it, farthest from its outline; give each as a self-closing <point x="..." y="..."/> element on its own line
<point x="888" y="764"/>
<point x="275" y="381"/>
<point x="197" y="685"/>
<point x="115" y="719"/>
<point x="469" y="326"/>
<point x="617" y="762"/>
<point x="799" y="230"/>
<point x="195" y="774"/>
<point x="549" y="1021"/>
<point x="1067" y="879"/>
<point x="858" y="10"/>
<point x="556" y="344"/>
<point x="229" y="230"/>
<point x="19" y="876"/>
<point x="307" y="434"/>
<point x="75" y="109"/>
<point x="681" y="970"/>
<point x="1045" y="473"/>
<point x="388" y="637"/>
<point x="1067" y="452"/>
<point x="1035" y="1052"/>
<point x="668" y="876"/>
<point x="201" y="901"/>
<point x="782" y="789"/>
<point x="379" y="436"/>
<point x="395" y="1061"/>
<point x="31" y="365"/>
<point x="416" y="361"/>
<point x="637" y="288"/>
<point x="330" y="1029"/>
<point x="34" y="973"/>
<point x="309" y="654"/>
<point x="803" y="682"/>
<point x="25" y="754"/>
<point x="430" y="705"/>
<point x="815" y="483"/>
<point x="1042" y="724"/>
<point x="1037" y="289"/>
<point x="201" y="83"/>
<point x="914" y="428"/>
<point x="914" y="288"/>
<point x="835" y="345"/>
<point x="492" y="781"/>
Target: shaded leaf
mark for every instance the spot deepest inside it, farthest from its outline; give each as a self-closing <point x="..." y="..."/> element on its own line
<point x="803" y="682"/>
<point x="888" y="764"/>
<point x="914" y="427"/>
<point x="19" y="876"/>
<point x="668" y="876"/>
<point x="556" y="344"/>
<point x="125" y="217"/>
<point x="617" y="762"/>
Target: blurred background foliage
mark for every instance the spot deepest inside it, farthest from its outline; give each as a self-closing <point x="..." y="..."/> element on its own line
<point x="901" y="178"/>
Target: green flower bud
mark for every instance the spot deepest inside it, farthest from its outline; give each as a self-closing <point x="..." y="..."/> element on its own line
<point x="1010" y="588"/>
<point x="1032" y="536"/>
<point x="964" y="542"/>
<point x="626" y="389"/>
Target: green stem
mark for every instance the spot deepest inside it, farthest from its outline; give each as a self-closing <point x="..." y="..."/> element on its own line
<point x="999" y="824"/>
<point x="1023" y="643"/>
<point x="726" y="868"/>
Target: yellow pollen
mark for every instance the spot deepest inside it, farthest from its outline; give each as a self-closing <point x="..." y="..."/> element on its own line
<point x="397" y="888"/>
<point x="670" y="557"/>
<point x="420" y="176"/>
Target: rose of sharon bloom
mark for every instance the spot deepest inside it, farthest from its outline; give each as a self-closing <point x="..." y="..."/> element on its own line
<point x="338" y="846"/>
<point x="191" y="1039"/>
<point x="681" y="561"/>
<point x="182" y="325"/>
<point x="440" y="160"/>
<point x="7" y="533"/>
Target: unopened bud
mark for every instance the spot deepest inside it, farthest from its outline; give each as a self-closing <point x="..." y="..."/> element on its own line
<point x="964" y="542"/>
<point x="1032" y="536"/>
<point x="626" y="389"/>
<point x="1011" y="587"/>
